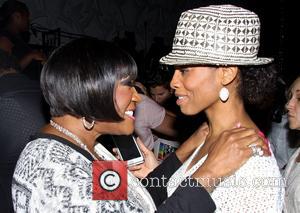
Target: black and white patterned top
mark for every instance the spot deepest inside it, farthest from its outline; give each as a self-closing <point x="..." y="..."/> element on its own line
<point x="54" y="175"/>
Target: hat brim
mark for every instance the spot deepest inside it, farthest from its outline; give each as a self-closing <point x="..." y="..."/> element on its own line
<point x="175" y="59"/>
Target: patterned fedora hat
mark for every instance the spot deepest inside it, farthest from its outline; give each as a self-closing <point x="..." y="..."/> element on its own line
<point x="216" y="35"/>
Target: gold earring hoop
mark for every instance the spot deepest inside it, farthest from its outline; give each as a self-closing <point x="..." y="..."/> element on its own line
<point x="87" y="124"/>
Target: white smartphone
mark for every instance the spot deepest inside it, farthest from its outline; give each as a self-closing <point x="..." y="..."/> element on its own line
<point x="128" y="149"/>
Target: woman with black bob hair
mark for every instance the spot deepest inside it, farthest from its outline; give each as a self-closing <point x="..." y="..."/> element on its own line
<point x="91" y="79"/>
<point x="88" y="84"/>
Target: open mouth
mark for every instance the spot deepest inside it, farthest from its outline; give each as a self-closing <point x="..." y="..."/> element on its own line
<point x="180" y="99"/>
<point x="130" y="114"/>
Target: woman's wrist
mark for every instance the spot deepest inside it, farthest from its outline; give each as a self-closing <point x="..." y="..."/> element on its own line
<point x="207" y="178"/>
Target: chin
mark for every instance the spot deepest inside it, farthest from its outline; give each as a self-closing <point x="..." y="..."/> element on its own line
<point x="294" y="126"/>
<point x="188" y="111"/>
<point x="127" y="129"/>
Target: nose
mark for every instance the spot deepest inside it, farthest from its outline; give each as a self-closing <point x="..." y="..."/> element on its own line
<point x="156" y="98"/>
<point x="175" y="80"/>
<point x="136" y="97"/>
<point x="290" y="103"/>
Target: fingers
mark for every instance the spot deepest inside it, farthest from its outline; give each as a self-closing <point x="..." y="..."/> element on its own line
<point x="135" y="168"/>
<point x="142" y="146"/>
<point x="116" y="153"/>
<point x="204" y="126"/>
<point x="241" y="133"/>
<point x="262" y="144"/>
<point x="249" y="137"/>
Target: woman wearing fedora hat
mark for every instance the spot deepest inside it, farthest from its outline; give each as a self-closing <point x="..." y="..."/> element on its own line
<point x="217" y="70"/>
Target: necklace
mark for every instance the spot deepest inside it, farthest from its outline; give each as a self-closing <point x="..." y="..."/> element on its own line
<point x="71" y="135"/>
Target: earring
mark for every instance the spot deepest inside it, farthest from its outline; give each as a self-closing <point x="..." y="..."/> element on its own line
<point x="224" y="94"/>
<point x="86" y="124"/>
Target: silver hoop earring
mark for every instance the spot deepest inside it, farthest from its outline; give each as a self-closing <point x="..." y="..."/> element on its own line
<point x="86" y="124"/>
<point x="224" y="94"/>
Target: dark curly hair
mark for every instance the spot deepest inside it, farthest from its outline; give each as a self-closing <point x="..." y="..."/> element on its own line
<point x="258" y="85"/>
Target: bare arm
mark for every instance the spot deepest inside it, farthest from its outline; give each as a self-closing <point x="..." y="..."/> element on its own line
<point x="188" y="147"/>
<point x="33" y="55"/>
<point x="167" y="126"/>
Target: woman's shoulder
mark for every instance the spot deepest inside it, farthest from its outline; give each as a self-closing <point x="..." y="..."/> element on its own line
<point x="256" y="185"/>
<point x="41" y="146"/>
<point x="261" y="167"/>
<point x="49" y="152"/>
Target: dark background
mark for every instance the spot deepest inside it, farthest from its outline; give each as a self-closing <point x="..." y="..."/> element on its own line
<point x="139" y="22"/>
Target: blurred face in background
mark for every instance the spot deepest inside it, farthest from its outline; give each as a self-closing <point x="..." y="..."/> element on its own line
<point x="160" y="94"/>
<point x="293" y="105"/>
<point x="21" y="20"/>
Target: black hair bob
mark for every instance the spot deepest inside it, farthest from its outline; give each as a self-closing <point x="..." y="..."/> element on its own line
<point x="80" y="78"/>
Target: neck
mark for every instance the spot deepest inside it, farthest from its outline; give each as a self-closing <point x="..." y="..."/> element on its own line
<point x="75" y="126"/>
<point x="225" y="116"/>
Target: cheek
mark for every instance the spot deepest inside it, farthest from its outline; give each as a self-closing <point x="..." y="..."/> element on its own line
<point x="201" y="89"/>
<point x="298" y="113"/>
<point x="203" y="94"/>
<point x="166" y="95"/>
<point x="123" y="99"/>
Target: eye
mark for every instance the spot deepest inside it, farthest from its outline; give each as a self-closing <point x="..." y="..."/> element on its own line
<point x="128" y="82"/>
<point x="289" y="96"/>
<point x="183" y="70"/>
<point x="131" y="83"/>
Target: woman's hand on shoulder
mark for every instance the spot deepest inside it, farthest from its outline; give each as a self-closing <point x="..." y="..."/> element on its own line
<point x="229" y="152"/>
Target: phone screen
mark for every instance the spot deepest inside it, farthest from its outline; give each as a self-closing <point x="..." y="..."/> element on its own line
<point x="127" y="147"/>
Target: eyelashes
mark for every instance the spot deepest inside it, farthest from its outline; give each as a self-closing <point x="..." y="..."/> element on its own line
<point x="129" y="83"/>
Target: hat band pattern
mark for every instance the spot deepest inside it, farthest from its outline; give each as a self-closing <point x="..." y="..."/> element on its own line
<point x="230" y="34"/>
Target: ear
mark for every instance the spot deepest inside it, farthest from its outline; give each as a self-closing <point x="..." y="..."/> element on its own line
<point x="228" y="74"/>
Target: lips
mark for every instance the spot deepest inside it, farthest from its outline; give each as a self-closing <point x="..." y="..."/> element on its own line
<point x="290" y="115"/>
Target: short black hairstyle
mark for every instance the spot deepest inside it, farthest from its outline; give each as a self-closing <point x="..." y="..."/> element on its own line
<point x="80" y="78"/>
<point x="8" y="8"/>
<point x="258" y="85"/>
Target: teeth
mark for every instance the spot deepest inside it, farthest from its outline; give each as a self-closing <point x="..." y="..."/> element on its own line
<point x="129" y="113"/>
<point x="180" y="97"/>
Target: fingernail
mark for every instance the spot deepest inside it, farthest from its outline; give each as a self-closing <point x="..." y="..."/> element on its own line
<point x="260" y="133"/>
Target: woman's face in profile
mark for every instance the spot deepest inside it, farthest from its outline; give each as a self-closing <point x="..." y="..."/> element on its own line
<point x="293" y="105"/>
<point x="195" y="87"/>
<point x="126" y="100"/>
